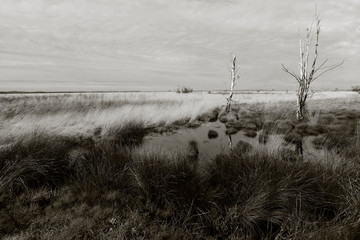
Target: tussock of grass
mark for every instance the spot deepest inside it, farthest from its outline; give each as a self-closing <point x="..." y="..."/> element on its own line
<point x="250" y="133"/>
<point x="230" y="131"/>
<point x="242" y="148"/>
<point x="247" y="194"/>
<point x="131" y="134"/>
<point x="238" y="125"/>
<point x="212" y="134"/>
<point x="211" y="116"/>
<point x="33" y="161"/>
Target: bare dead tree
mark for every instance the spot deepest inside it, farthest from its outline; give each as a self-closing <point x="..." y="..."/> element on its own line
<point x="232" y="86"/>
<point x="308" y="74"/>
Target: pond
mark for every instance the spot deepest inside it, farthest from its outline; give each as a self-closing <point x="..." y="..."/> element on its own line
<point x="209" y="148"/>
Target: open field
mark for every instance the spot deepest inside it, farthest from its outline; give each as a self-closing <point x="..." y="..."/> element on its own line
<point x="81" y="114"/>
<point x="74" y="166"/>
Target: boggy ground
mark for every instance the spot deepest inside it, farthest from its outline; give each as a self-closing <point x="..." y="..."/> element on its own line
<point x="100" y="187"/>
<point x="332" y="124"/>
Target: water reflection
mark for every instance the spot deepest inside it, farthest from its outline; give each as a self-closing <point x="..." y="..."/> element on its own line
<point x="209" y="148"/>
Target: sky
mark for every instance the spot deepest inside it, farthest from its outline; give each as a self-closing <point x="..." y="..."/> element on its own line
<point x="146" y="45"/>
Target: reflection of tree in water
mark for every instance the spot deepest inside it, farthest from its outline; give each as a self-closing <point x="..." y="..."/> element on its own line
<point x="230" y="142"/>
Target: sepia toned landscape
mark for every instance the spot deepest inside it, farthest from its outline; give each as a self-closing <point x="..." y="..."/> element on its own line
<point x="179" y="119"/>
<point x="126" y="165"/>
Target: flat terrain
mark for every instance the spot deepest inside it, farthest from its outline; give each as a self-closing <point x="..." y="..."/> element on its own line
<point x="90" y="166"/>
<point x="80" y="114"/>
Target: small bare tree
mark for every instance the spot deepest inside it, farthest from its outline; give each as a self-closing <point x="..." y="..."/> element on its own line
<point x="232" y="86"/>
<point x="307" y="76"/>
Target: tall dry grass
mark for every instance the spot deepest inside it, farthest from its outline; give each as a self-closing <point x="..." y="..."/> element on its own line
<point x="74" y="114"/>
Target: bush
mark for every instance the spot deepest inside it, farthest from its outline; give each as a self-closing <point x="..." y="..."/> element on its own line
<point x="355" y="89"/>
<point x="184" y="90"/>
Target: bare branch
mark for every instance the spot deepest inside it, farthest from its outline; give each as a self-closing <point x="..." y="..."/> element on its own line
<point x="301" y="59"/>
<point x="334" y="65"/>
<point x="330" y="68"/>
<point x="321" y="65"/>
<point x="316" y="49"/>
<point x="291" y="73"/>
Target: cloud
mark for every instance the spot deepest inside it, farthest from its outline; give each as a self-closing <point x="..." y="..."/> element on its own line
<point x="164" y="43"/>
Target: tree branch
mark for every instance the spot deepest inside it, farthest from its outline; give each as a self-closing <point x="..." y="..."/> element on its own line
<point x="330" y="68"/>
<point x="321" y="66"/>
<point x="291" y="73"/>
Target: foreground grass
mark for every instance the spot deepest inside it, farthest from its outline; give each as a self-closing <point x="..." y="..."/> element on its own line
<point x="55" y="187"/>
<point x="56" y="184"/>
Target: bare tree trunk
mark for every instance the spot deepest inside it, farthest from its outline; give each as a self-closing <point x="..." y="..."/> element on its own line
<point x="233" y="78"/>
<point x="300" y="116"/>
<point x="300" y="108"/>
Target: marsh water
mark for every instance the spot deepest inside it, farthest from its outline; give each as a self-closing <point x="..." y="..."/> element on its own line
<point x="208" y="148"/>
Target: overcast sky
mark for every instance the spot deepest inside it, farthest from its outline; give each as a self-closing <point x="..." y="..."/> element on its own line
<point x="57" y="45"/>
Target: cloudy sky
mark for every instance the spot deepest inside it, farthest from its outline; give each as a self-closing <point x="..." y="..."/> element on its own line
<point x="56" y="45"/>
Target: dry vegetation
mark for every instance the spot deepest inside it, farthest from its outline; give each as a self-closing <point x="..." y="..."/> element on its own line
<point x="70" y="169"/>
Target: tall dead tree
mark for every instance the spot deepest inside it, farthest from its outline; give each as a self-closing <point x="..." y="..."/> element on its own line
<point x="308" y="74"/>
<point x="232" y="86"/>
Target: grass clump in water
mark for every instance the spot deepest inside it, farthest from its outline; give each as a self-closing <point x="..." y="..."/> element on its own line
<point x="212" y="134"/>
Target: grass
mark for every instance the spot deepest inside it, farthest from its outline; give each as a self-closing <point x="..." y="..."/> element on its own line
<point x="99" y="186"/>
<point x="113" y="193"/>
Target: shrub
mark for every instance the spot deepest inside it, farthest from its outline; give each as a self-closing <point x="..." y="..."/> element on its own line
<point x="355" y="89"/>
<point x="184" y="90"/>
